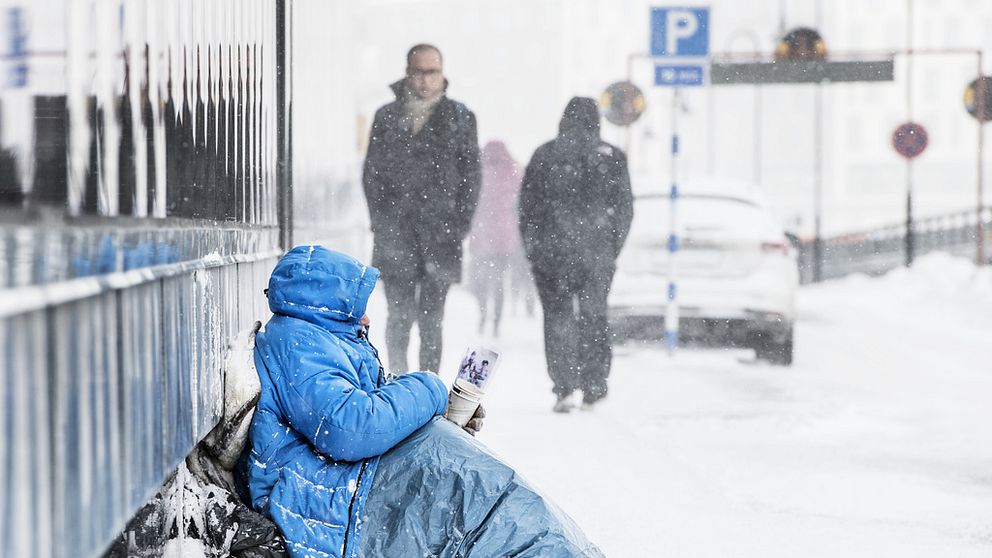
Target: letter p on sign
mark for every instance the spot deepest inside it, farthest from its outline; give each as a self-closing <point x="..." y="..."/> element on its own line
<point x="679" y="25"/>
<point x="680" y="32"/>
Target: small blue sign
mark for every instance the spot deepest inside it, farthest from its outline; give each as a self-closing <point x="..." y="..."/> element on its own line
<point x="15" y="32"/>
<point x="17" y="72"/>
<point x="679" y="75"/>
<point x="17" y="76"/>
<point x="681" y="32"/>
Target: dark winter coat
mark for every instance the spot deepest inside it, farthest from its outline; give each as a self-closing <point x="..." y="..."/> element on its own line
<point x="326" y="412"/>
<point x="575" y="204"/>
<point x="421" y="189"/>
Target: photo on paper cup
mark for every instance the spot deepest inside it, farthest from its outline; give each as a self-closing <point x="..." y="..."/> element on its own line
<point x="477" y="366"/>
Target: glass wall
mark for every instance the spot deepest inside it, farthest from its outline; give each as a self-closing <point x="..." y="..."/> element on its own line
<point x="156" y="115"/>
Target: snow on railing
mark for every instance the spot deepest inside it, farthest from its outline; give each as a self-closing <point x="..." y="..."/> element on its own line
<point x="109" y="385"/>
<point x="879" y="250"/>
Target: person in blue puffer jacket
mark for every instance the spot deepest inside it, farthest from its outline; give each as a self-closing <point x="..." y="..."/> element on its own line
<point x="326" y="411"/>
<point x="350" y="462"/>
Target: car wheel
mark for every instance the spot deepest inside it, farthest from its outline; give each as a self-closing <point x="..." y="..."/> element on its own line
<point x="775" y="352"/>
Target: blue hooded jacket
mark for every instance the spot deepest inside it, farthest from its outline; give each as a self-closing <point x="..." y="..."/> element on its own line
<point x="326" y="412"/>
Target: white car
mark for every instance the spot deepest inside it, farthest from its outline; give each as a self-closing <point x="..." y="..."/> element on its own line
<point x="737" y="273"/>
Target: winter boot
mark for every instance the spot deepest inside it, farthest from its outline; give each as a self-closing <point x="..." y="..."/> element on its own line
<point x="564" y="404"/>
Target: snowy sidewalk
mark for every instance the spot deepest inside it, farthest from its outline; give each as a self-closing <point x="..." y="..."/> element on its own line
<point x="875" y="443"/>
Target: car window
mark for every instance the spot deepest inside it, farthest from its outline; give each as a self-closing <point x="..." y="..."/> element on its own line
<point x="704" y="216"/>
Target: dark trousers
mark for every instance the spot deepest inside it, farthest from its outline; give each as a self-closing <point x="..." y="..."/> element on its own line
<point x="576" y="336"/>
<point x="420" y="301"/>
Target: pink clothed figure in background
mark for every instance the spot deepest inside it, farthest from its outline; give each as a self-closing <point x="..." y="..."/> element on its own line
<point x="494" y="242"/>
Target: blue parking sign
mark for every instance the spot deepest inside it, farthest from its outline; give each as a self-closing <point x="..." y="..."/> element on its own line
<point x="680" y="32"/>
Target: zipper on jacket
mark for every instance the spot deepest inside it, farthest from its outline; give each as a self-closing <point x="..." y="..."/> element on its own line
<point x="361" y="472"/>
<point x="351" y="505"/>
<point x="382" y="371"/>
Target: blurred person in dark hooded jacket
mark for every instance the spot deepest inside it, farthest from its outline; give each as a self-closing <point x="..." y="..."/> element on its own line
<point x="421" y="180"/>
<point x="575" y="212"/>
<point x="494" y="238"/>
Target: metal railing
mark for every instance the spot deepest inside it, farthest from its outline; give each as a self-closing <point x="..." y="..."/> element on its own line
<point x="877" y="251"/>
<point x="108" y="381"/>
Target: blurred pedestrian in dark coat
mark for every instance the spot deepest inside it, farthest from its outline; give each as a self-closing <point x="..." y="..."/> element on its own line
<point x="575" y="212"/>
<point x="494" y="238"/>
<point x="421" y="181"/>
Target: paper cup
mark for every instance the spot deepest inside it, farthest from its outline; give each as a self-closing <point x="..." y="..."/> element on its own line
<point x="463" y="400"/>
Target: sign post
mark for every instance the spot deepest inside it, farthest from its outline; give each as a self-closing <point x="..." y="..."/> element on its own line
<point x="680" y="43"/>
<point x="909" y="140"/>
<point x="978" y="103"/>
<point x="17" y="73"/>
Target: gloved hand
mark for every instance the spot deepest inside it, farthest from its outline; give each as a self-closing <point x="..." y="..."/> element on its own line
<point x="474" y="424"/>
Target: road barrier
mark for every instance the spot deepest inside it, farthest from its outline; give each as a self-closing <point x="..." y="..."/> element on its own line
<point x="877" y="251"/>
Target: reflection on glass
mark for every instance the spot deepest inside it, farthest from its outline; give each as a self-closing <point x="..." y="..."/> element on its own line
<point x="158" y="109"/>
<point x="146" y="109"/>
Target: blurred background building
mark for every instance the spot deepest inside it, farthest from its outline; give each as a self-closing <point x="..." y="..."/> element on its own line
<point x="516" y="63"/>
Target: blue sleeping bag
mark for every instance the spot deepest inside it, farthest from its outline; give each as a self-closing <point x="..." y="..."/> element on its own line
<point x="442" y="493"/>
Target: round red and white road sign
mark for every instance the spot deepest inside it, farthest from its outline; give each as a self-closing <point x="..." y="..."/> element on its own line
<point x="909" y="140"/>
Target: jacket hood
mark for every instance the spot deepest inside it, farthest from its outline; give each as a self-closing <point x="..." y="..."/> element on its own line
<point x="399" y="86"/>
<point x="326" y="288"/>
<point x="581" y="119"/>
<point x="495" y="154"/>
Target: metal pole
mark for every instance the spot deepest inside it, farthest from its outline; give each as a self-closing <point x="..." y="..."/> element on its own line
<point x="818" y="169"/>
<point x="672" y="308"/>
<point x="627" y="143"/>
<point x="756" y="169"/>
<point x="284" y="185"/>
<point x="910" y="244"/>
<point x="710" y="132"/>
<point x="290" y="180"/>
<point x="980" y="93"/>
<point x="818" y="184"/>
<point x="627" y="139"/>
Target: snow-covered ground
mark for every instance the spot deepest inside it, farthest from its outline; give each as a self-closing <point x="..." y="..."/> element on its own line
<point x="875" y="443"/>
